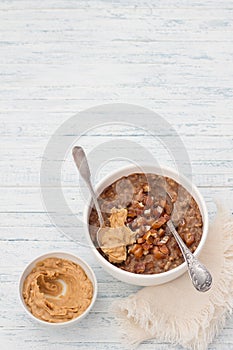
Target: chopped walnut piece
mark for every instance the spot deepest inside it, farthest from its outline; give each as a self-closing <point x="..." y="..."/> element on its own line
<point x="136" y="250"/>
<point x="159" y="222"/>
<point x="164" y="240"/>
<point x="161" y="232"/>
<point x="147" y="235"/>
<point x="189" y="239"/>
<point x="164" y="249"/>
<point x="157" y="253"/>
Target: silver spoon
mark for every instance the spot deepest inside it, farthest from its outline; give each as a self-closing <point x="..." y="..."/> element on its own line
<point x="80" y="160"/>
<point x="200" y="276"/>
<point x="120" y="236"/>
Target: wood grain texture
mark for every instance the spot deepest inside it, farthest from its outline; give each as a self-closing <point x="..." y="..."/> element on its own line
<point x="60" y="57"/>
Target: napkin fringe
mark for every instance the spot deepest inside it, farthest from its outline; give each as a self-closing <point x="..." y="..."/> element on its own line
<point x="139" y="323"/>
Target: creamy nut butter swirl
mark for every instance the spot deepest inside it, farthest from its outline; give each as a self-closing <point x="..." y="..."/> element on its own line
<point x="57" y="290"/>
<point x="114" y="239"/>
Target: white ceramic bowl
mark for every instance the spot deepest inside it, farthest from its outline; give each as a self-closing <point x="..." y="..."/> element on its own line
<point x="63" y="255"/>
<point x="154" y="279"/>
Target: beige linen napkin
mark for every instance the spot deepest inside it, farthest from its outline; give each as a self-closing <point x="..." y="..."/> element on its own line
<point x="175" y="312"/>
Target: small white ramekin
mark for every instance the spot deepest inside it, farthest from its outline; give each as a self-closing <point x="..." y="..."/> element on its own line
<point x="154" y="279"/>
<point x="63" y="255"/>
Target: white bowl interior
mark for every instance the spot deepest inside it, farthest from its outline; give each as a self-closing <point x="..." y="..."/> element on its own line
<point x="63" y="255"/>
<point x="164" y="276"/>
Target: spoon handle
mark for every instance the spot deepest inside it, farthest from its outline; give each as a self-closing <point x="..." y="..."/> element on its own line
<point x="80" y="160"/>
<point x="200" y="276"/>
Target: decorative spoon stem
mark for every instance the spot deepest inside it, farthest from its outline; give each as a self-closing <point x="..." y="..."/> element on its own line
<point x="200" y="276"/>
<point x="80" y="160"/>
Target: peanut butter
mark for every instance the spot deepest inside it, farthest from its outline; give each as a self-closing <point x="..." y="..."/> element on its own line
<point x="118" y="217"/>
<point x="57" y="290"/>
<point x="114" y="239"/>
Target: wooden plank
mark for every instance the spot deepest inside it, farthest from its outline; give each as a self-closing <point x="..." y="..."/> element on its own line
<point x="29" y="200"/>
<point x="210" y="157"/>
<point x="80" y="334"/>
<point x="207" y="75"/>
<point x="114" y="25"/>
<point x="34" y="147"/>
<point x="189" y="86"/>
<point x="44" y="124"/>
<point x="204" y="173"/>
<point x="103" y="4"/>
<point x="26" y="210"/>
<point x="187" y="117"/>
<point x="149" y="52"/>
<point x="26" y="219"/>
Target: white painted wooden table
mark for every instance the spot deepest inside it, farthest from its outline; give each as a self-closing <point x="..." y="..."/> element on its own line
<point x="60" y="57"/>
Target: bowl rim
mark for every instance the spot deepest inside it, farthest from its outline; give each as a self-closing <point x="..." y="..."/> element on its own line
<point x="172" y="172"/>
<point x="70" y="256"/>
